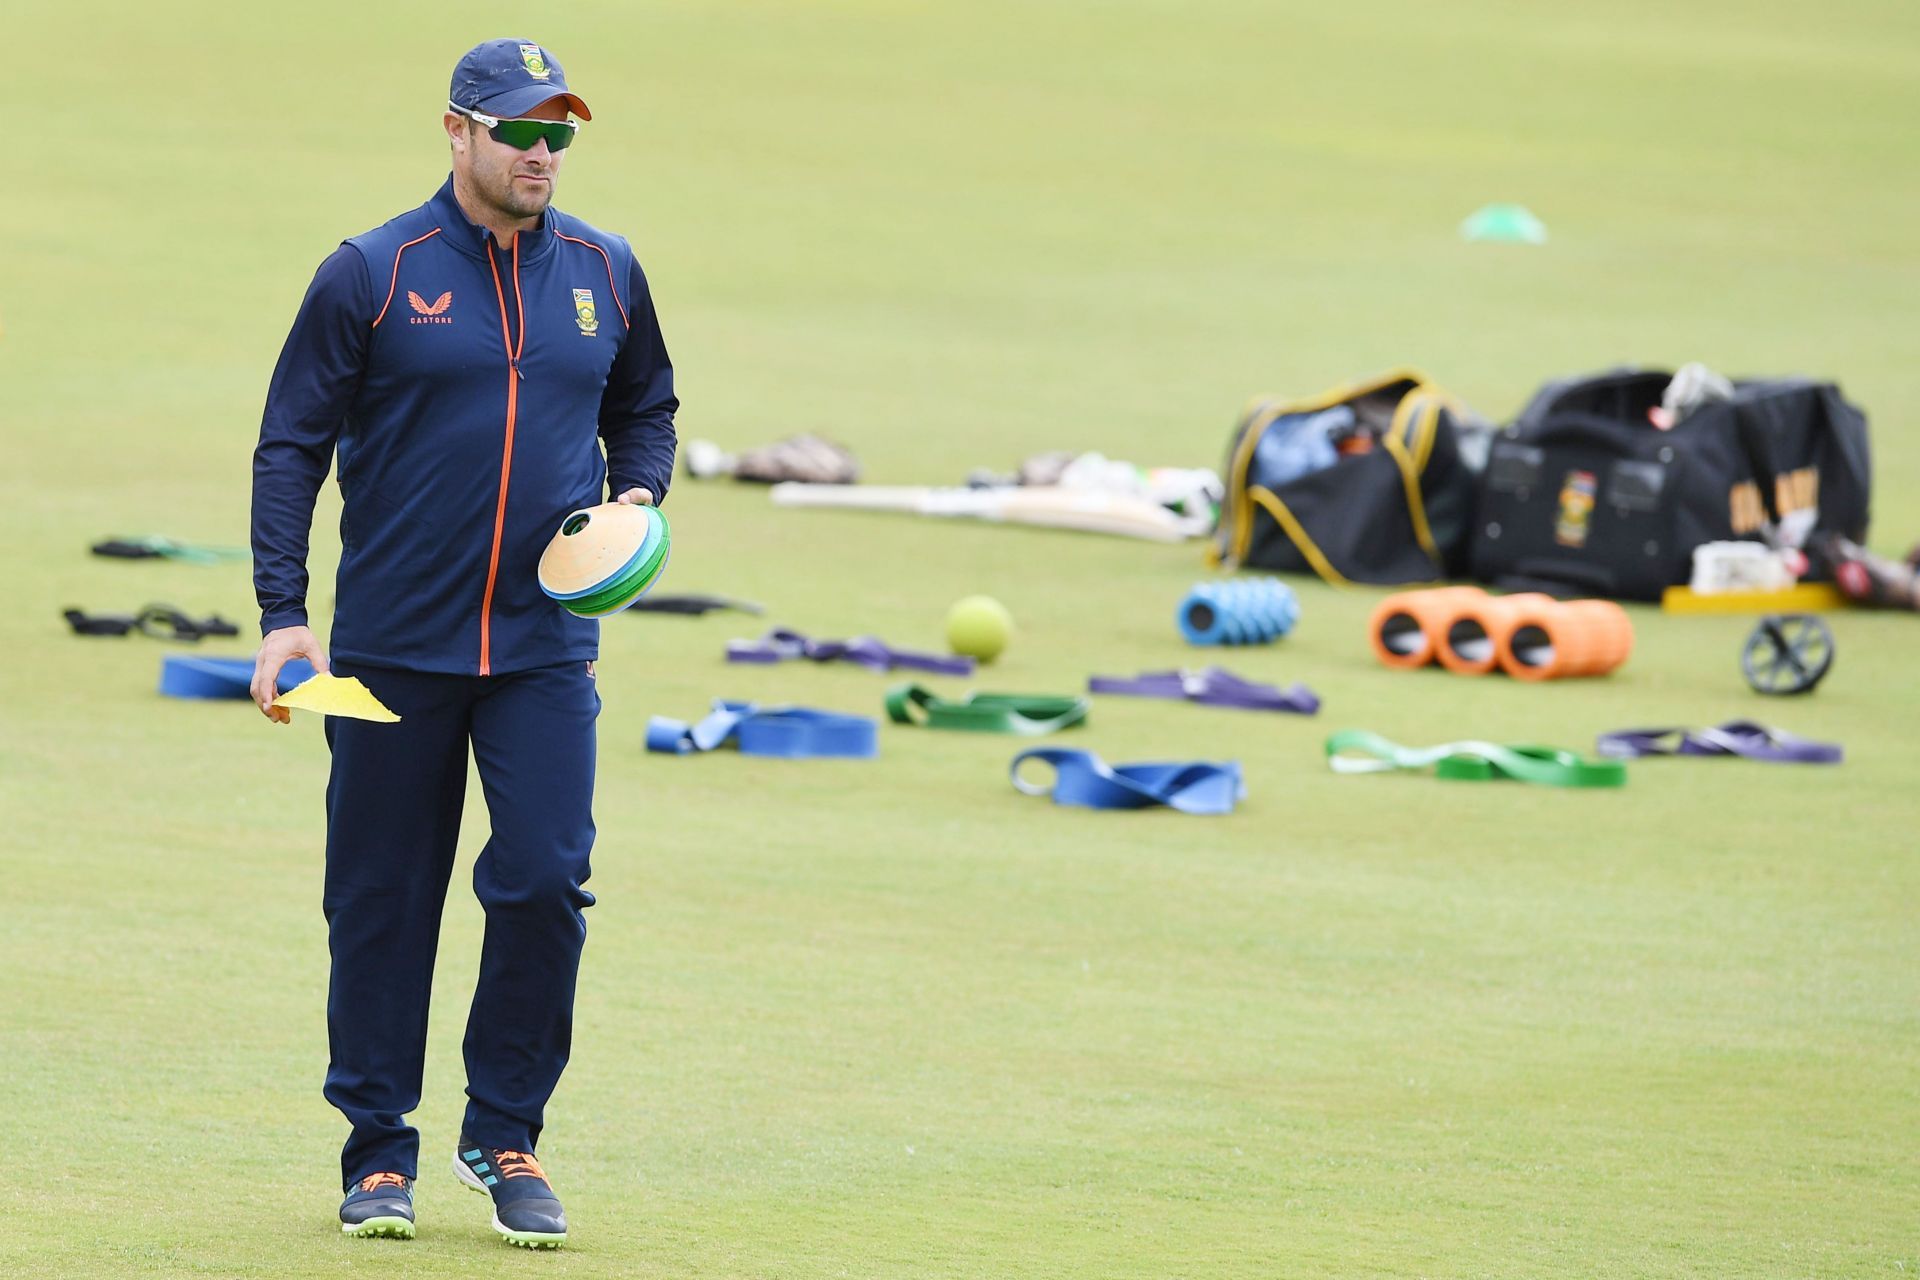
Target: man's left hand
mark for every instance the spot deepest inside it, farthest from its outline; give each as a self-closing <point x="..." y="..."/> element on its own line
<point x="636" y="497"/>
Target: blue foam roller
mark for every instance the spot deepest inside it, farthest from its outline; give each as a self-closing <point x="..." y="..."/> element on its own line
<point x="190" y="676"/>
<point x="1253" y="611"/>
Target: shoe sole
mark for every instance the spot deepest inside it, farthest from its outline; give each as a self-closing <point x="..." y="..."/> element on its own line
<point x="523" y="1239"/>
<point x="392" y="1228"/>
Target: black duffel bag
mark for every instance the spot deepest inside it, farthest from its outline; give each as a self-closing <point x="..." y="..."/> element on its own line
<point x="1582" y="493"/>
<point x="1393" y="506"/>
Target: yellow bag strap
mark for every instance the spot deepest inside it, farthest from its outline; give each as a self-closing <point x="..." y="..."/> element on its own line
<point x="1297" y="534"/>
<point x="1409" y="441"/>
<point x="1262" y="412"/>
<point x="1444" y="402"/>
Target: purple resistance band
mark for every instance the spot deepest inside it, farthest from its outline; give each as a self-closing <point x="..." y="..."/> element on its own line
<point x="1735" y="738"/>
<point x="782" y="645"/>
<point x="1211" y="687"/>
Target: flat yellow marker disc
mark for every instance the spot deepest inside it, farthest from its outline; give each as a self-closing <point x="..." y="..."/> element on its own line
<point x="336" y="696"/>
<point x="1805" y="597"/>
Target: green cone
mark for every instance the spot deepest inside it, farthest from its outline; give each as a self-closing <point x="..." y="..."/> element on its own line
<point x="1504" y="224"/>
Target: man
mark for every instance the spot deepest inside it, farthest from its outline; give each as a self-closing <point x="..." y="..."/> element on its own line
<point x="464" y="361"/>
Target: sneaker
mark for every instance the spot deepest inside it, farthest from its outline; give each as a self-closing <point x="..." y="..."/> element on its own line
<point x="525" y="1210"/>
<point x="380" y="1204"/>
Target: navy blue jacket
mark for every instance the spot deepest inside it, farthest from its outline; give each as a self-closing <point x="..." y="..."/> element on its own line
<point x="466" y="387"/>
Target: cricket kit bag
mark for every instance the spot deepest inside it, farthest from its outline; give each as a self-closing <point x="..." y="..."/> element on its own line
<point x="1367" y="482"/>
<point x="1583" y="493"/>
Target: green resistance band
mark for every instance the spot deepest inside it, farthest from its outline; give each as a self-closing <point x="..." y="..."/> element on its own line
<point x="1357" y="751"/>
<point x="1029" y="715"/>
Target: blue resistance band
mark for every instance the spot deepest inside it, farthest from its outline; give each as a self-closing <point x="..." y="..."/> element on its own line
<point x="1082" y="778"/>
<point x="792" y="733"/>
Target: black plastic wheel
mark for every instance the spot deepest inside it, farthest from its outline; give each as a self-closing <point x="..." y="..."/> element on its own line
<point x="1787" y="653"/>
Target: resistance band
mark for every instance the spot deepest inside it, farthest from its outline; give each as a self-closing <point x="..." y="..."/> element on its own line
<point x="793" y="733"/>
<point x="1211" y="687"/>
<point x="782" y="645"/>
<point x="1735" y="738"/>
<point x="1028" y="714"/>
<point x="1083" y="779"/>
<point x="693" y="605"/>
<point x="154" y="547"/>
<point x="1357" y="751"/>
<point x="161" y="621"/>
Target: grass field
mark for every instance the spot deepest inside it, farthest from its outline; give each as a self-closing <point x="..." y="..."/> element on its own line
<point x="892" y="1019"/>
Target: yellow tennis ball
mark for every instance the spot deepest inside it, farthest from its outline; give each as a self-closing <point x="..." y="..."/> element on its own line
<point x="979" y="627"/>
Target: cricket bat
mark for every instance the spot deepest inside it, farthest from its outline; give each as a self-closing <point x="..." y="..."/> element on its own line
<point x="1047" y="506"/>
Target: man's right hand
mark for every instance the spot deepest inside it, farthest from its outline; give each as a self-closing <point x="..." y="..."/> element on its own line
<point x="276" y="648"/>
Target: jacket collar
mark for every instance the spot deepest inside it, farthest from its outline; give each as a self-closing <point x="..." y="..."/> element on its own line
<point x="471" y="238"/>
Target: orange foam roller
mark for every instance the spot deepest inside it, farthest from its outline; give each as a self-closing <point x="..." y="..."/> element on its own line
<point x="1407" y="628"/>
<point x="1564" y="639"/>
<point x="1470" y="642"/>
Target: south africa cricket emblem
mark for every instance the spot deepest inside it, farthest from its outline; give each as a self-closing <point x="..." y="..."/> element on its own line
<point x="536" y="61"/>
<point x="583" y="312"/>
<point x="1576" y="508"/>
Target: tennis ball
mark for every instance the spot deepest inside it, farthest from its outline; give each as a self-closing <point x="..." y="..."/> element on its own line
<point x="979" y="627"/>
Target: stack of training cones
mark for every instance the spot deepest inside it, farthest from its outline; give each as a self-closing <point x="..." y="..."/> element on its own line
<point x="604" y="558"/>
<point x="1530" y="637"/>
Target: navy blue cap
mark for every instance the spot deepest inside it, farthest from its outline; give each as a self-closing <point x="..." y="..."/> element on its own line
<point x="508" y="78"/>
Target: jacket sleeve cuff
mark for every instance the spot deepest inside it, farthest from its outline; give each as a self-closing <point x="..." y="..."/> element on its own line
<point x="618" y="486"/>
<point x="288" y="617"/>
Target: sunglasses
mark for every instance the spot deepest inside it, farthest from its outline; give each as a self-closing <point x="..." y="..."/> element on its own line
<point x="521" y="135"/>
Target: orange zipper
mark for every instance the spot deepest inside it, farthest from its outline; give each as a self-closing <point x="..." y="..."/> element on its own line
<point x="506" y="451"/>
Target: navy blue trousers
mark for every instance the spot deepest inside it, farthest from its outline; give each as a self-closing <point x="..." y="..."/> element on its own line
<point x="393" y="819"/>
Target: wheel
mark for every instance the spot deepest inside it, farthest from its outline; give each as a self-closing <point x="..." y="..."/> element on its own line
<point x="1787" y="653"/>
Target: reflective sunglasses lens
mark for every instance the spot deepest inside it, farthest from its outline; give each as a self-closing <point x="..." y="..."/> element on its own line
<point x="521" y="135"/>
